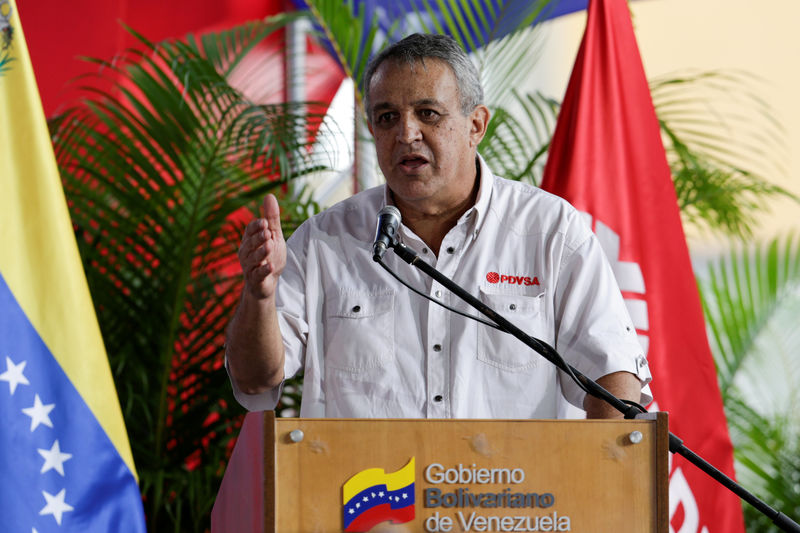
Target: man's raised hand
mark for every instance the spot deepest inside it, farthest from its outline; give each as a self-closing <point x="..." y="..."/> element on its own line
<point x="262" y="253"/>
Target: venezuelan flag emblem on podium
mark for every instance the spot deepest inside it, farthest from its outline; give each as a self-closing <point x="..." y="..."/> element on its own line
<point x="372" y="496"/>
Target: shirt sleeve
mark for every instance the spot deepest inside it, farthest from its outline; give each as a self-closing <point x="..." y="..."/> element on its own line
<point x="594" y="332"/>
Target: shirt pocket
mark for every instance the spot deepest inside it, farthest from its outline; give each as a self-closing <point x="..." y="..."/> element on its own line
<point x="502" y="350"/>
<point x="359" y="330"/>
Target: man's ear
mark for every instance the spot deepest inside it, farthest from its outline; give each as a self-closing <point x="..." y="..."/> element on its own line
<point x="479" y="122"/>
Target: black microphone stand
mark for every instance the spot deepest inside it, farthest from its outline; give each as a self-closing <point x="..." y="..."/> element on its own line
<point x="545" y="350"/>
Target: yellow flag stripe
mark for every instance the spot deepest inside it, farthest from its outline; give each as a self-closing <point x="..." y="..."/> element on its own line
<point x="378" y="476"/>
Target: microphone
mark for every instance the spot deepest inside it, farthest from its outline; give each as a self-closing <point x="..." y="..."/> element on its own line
<point x="386" y="231"/>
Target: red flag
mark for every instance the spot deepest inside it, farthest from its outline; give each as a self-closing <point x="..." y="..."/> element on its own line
<point x="607" y="159"/>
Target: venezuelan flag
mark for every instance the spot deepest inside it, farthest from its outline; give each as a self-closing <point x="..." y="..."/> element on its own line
<point x="372" y="496"/>
<point x="65" y="460"/>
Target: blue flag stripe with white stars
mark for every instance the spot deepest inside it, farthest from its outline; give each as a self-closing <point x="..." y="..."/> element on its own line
<point x="59" y="471"/>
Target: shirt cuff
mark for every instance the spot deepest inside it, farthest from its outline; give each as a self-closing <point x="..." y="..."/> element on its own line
<point x="264" y="401"/>
<point x="637" y="366"/>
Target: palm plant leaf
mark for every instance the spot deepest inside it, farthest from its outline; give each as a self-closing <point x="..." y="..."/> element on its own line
<point x="516" y="143"/>
<point x="353" y="37"/>
<point x="724" y="145"/>
<point x="742" y="295"/>
<point x="158" y="163"/>
<point x="751" y="301"/>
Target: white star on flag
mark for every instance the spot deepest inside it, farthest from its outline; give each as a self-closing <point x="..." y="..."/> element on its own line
<point x="56" y="505"/>
<point x="13" y="375"/>
<point x="39" y="413"/>
<point x="54" y="459"/>
<point x="365" y="498"/>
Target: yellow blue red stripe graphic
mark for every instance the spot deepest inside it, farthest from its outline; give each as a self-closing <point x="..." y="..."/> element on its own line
<point x="372" y="496"/>
<point x="65" y="460"/>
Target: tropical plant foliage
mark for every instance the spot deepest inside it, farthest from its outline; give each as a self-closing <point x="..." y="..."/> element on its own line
<point x="163" y="164"/>
<point x="724" y="146"/>
<point x="751" y="300"/>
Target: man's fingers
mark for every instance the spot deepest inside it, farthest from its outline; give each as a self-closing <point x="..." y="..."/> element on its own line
<point x="250" y="246"/>
<point x="272" y="212"/>
<point x="254" y="232"/>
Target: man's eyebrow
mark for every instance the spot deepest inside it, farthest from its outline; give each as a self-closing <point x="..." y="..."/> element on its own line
<point x="416" y="103"/>
<point x="427" y="101"/>
<point x="381" y="105"/>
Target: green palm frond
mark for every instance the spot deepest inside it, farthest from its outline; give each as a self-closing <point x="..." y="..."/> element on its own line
<point x="767" y="452"/>
<point x="163" y="163"/>
<point x="724" y="146"/>
<point x="518" y="137"/>
<point x="751" y="301"/>
<point x="352" y="36"/>
<point x="743" y="295"/>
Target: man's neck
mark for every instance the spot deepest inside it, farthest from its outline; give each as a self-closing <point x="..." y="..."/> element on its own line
<point x="430" y="222"/>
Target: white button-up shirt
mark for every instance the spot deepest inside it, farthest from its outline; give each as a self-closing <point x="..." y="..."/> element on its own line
<point x="369" y="347"/>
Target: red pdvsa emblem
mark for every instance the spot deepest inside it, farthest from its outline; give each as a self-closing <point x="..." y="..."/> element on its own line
<point x="494" y="277"/>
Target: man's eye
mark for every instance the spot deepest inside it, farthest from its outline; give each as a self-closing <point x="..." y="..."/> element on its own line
<point x="428" y="113"/>
<point x="385" y="117"/>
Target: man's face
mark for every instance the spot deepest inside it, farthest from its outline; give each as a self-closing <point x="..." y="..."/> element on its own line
<point x="425" y="145"/>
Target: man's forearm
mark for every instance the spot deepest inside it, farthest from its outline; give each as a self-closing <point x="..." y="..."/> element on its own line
<point x="254" y="345"/>
<point x="623" y="385"/>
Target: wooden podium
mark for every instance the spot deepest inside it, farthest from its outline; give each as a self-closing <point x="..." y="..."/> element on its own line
<point x="589" y="476"/>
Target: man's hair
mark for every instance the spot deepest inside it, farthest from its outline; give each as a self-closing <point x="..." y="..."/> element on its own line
<point x="419" y="46"/>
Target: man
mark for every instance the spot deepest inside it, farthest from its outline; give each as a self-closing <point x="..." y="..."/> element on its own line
<point x="371" y="348"/>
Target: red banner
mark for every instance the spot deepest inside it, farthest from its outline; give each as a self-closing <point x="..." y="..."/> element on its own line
<point x="608" y="160"/>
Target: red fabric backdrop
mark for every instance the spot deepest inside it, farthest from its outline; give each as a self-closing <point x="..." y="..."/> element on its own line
<point x="59" y="32"/>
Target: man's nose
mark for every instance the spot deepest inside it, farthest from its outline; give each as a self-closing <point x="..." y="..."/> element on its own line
<point x="408" y="130"/>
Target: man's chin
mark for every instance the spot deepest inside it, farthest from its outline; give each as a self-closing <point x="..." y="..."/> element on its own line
<point x="410" y="190"/>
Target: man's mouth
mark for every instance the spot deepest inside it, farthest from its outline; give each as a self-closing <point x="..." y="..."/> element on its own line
<point x="412" y="162"/>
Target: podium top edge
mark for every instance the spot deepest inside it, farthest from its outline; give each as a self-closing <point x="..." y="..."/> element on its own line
<point x="644" y="417"/>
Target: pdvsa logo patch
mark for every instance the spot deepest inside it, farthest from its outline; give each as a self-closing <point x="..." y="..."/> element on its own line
<point x="494" y="277"/>
<point x="372" y="496"/>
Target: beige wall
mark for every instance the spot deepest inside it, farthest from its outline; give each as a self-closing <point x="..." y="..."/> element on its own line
<point x="761" y="38"/>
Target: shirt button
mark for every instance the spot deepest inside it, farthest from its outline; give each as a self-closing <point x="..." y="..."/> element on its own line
<point x="450" y="249"/>
<point x="356" y="308"/>
<point x="437" y="347"/>
<point x="438" y="294"/>
<point x="512" y="306"/>
<point x="424" y="250"/>
<point x="438" y="398"/>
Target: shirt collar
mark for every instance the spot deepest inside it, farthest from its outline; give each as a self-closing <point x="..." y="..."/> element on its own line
<point x="484" y="195"/>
